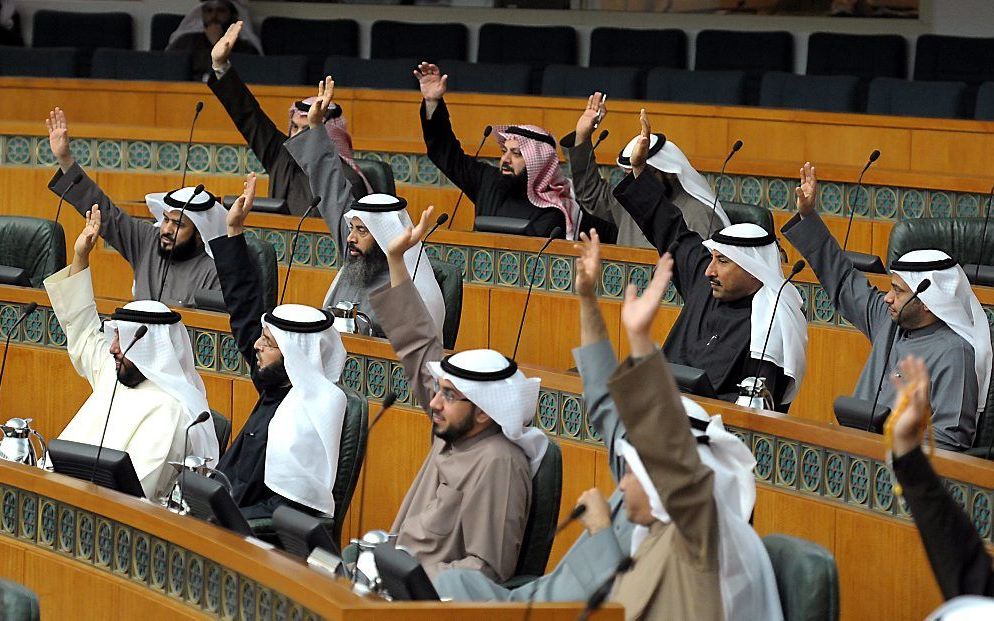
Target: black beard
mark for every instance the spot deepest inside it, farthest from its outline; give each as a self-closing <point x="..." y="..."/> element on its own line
<point x="273" y="375"/>
<point x="365" y="267"/>
<point x="455" y="432"/>
<point x="181" y="252"/>
<point x="513" y="185"/>
<point x="129" y="375"/>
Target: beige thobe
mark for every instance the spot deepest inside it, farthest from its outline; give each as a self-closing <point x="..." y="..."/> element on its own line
<point x="468" y="505"/>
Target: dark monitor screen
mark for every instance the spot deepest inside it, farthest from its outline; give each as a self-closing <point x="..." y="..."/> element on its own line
<point x="301" y="533"/>
<point x="210" y="501"/>
<point x="14" y="276"/>
<point x="402" y="575"/>
<point x="692" y="380"/>
<point x="263" y="204"/>
<point x="855" y="413"/>
<point x="114" y="471"/>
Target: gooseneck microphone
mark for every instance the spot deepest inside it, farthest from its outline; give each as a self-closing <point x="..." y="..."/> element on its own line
<point x="717" y="184"/>
<point x="600" y="595"/>
<point x="179" y="222"/>
<point x="388" y="400"/>
<point x="574" y="515"/>
<point x="776" y="304"/>
<point x="293" y="244"/>
<point x="439" y="222"/>
<point x="202" y="417"/>
<point x="531" y="282"/>
<point x="141" y="332"/>
<point x="486" y="134"/>
<point x="600" y="139"/>
<point x="30" y="308"/>
<point x="859" y="184"/>
<point x="983" y="238"/>
<point x="62" y="197"/>
<point x="922" y="286"/>
<point x="189" y="141"/>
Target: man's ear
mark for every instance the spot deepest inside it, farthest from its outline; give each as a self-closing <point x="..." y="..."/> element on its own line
<point x="479" y="415"/>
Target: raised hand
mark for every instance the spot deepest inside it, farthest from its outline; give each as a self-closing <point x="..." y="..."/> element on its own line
<point x="410" y="237"/>
<point x="241" y="208"/>
<point x="316" y="115"/>
<point x="58" y="138"/>
<point x="597" y="517"/>
<point x="588" y="264"/>
<point x="912" y="410"/>
<point x="637" y="313"/>
<point x="221" y="52"/>
<point x="592" y="115"/>
<point x="807" y="192"/>
<point x="641" y="151"/>
<point x="432" y="81"/>
<point x="87" y="239"/>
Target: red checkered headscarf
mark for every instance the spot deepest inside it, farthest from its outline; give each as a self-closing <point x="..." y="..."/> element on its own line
<point x="547" y="186"/>
<point x="335" y="127"/>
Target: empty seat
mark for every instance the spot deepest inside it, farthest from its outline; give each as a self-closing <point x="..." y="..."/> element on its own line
<point x="83" y="31"/>
<point x="755" y="53"/>
<point x="632" y="47"/>
<point x="430" y="42"/>
<point x="571" y="81"/>
<point x="829" y="93"/>
<point x="954" y="59"/>
<point x="465" y="77"/>
<point x="984" y="110"/>
<point x="537" y="46"/>
<point x="110" y="64"/>
<point x="903" y="98"/>
<point x="255" y="69"/>
<point x="726" y="88"/>
<point x="50" y="62"/>
<point x="864" y="56"/>
<point x="163" y="26"/>
<point x="390" y="73"/>
<point x="315" y="38"/>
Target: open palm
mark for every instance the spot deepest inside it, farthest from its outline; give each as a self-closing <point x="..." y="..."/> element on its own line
<point x="637" y="313"/>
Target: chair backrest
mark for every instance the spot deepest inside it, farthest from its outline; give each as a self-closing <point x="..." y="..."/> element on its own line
<point x="430" y="42"/>
<point x="740" y="212"/>
<point x="112" y="64"/>
<point x="315" y="38"/>
<point x="163" y="26"/>
<point x="379" y="175"/>
<point x="35" y="245"/>
<point x="52" y="62"/>
<point x="959" y="59"/>
<point x="536" y="46"/>
<point x="392" y="73"/>
<point x="752" y="52"/>
<point x="864" y="56"/>
<point x="960" y="238"/>
<point x="449" y="279"/>
<point x="637" y="47"/>
<point x="726" y="88"/>
<point x="984" y="110"/>
<point x="275" y="70"/>
<point x="85" y="31"/>
<point x="547" y="492"/>
<point x="466" y="77"/>
<point x="222" y="429"/>
<point x="829" y="93"/>
<point x="18" y="603"/>
<point x="351" y="453"/>
<point x="983" y="440"/>
<point x="807" y="578"/>
<point x="264" y="255"/>
<point x="926" y="99"/>
<point x="573" y="81"/>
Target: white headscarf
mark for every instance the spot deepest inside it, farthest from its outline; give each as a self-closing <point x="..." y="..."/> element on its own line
<point x="386" y="217"/>
<point x="305" y="433"/>
<point x="748" y="585"/>
<point x="194" y="22"/>
<point x="666" y="157"/>
<point x="206" y="213"/>
<point x="964" y="608"/>
<point x="951" y="299"/>
<point x="788" y="339"/>
<point x="165" y="357"/>
<point x="510" y="401"/>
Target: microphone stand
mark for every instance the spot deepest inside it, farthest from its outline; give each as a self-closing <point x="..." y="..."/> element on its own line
<point x="189" y="141"/>
<point x="62" y="197"/>
<point x="293" y="244"/>
<point x="717" y="184"/>
<point x="203" y="416"/>
<point x="852" y="204"/>
<point x="388" y="401"/>
<point x="486" y="134"/>
<point x="600" y="595"/>
<point x="142" y="330"/>
<point x="769" y="330"/>
<point x="531" y="283"/>
<point x="439" y="222"/>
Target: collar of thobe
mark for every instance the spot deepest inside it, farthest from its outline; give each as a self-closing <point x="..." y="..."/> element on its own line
<point x="754" y="249"/>
<point x="194" y="22"/>
<point x="306" y="429"/>
<point x="666" y="157"/>
<point x="386" y="218"/>
<point x="951" y="299"/>
<point x="495" y="385"/>
<point x="204" y="210"/>
<point x="165" y="357"/>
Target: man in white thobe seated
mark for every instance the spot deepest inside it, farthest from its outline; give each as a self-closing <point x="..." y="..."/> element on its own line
<point x="160" y="393"/>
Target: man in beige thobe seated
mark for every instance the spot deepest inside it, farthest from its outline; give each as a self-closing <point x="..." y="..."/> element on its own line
<point x="689" y="490"/>
<point x="469" y="503"/>
<point x="160" y="393"/>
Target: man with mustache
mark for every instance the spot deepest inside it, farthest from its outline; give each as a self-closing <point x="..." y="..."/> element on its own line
<point x="147" y="247"/>
<point x="204" y="26"/>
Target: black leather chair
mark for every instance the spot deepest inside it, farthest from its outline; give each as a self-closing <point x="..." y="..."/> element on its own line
<point x="984" y="109"/>
<point x="315" y="38"/>
<point x="163" y="26"/>
<point x="35" y="245"/>
<point x="389" y="73"/>
<point x="535" y="46"/>
<point x="547" y="492"/>
<point x="925" y="99"/>
<point x="572" y="81"/>
<point x="828" y="93"/>
<point x="465" y="77"/>
<point x="379" y="175"/>
<point x="983" y="441"/>
<point x="960" y="59"/>
<point x="222" y="429"/>
<point x="807" y="578"/>
<point x="723" y="88"/>
<point x="83" y="31"/>
<point x="864" y="56"/>
<point x="18" y="603"/>
<point x="739" y="212"/>
<point x="52" y="62"/>
<point x="449" y="279"/>
<point x="960" y="238"/>
<point x="112" y="64"/>
<point x="755" y="53"/>
<point x="274" y="70"/>
<point x="430" y="42"/>
<point x="638" y="47"/>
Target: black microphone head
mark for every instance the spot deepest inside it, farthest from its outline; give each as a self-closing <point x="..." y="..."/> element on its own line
<point x="736" y="146"/>
<point x="202" y="417"/>
<point x="30" y="308"/>
<point x="922" y="286"/>
<point x="797" y="268"/>
<point x="200" y="106"/>
<point x="315" y="201"/>
<point x="577" y="511"/>
<point x="389" y="399"/>
<point x="874" y="155"/>
<point x="625" y="565"/>
<point x="140" y="332"/>
<point x="556" y="232"/>
<point x="603" y="136"/>
<point x="197" y="190"/>
<point x="442" y="219"/>
<point x="487" y="131"/>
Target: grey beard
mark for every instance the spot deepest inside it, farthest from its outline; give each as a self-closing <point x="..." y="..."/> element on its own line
<point x="362" y="269"/>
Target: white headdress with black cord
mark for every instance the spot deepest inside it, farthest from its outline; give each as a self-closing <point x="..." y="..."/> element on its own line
<point x="306" y="431"/>
<point x="205" y="211"/>
<point x="495" y="385"/>
<point x="666" y="157"/>
<point x="386" y="218"/>
<point x="194" y="22"/>
<point x="754" y="249"/>
<point x="165" y="357"/>
<point x="951" y="299"/>
<point x="748" y="585"/>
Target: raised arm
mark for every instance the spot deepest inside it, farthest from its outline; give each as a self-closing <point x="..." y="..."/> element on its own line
<point x="593" y="193"/>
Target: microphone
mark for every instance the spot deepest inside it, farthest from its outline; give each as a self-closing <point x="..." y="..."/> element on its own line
<point x="573" y="516"/>
<point x="30" y="308"/>
<point x="600" y="139"/>
<point x="189" y="141"/>
<point x="922" y="286"/>
<point x="776" y="304"/>
<point x="141" y="332"/>
<point x="202" y="417"/>
<point x="388" y="401"/>
<point x="852" y="203"/>
<point x="717" y="184"/>
<point x="169" y="260"/>
<point x="531" y="281"/>
<point x="72" y="182"/>
<point x="600" y="595"/>
<point x="486" y="134"/>
<point x="983" y="238"/>
<point x="439" y="222"/>
<point x="293" y="244"/>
